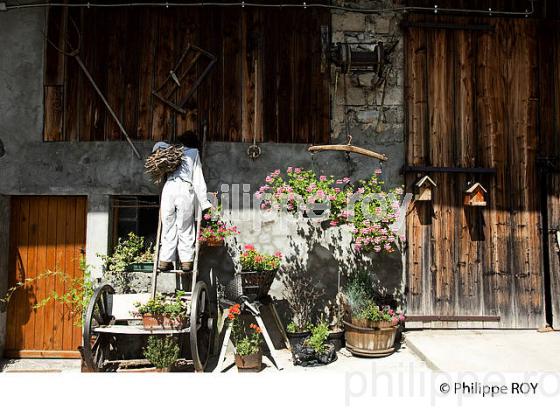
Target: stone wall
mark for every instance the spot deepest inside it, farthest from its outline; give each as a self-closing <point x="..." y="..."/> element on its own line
<point x="372" y="112"/>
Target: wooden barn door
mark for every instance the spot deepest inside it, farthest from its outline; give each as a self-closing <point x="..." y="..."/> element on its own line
<point x="472" y="101"/>
<point x="549" y="159"/>
<point x="47" y="233"/>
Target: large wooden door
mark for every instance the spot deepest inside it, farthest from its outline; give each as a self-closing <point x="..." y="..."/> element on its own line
<point x="472" y="101"/>
<point x="47" y="233"/>
<point x="549" y="153"/>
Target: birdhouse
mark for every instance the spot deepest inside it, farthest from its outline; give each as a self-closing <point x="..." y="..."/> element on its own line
<point x="424" y="188"/>
<point x="475" y="195"/>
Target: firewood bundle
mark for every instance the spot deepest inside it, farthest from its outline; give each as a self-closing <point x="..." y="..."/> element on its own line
<point x="163" y="162"/>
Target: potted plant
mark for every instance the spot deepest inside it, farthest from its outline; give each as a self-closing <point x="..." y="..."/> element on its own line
<point x="162" y="352"/>
<point x="132" y="254"/>
<point x="370" y="330"/>
<point x="301" y="190"/>
<point x="248" y="352"/>
<point x="214" y="230"/>
<point x="315" y="350"/>
<point x="163" y="312"/>
<point x="258" y="271"/>
<point x="302" y="296"/>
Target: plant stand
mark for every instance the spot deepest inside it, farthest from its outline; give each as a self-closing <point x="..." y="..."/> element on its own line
<point x="253" y="309"/>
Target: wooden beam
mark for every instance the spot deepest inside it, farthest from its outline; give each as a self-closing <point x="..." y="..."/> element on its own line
<point x="407" y="169"/>
<point x="444" y="318"/>
<point x="448" y="26"/>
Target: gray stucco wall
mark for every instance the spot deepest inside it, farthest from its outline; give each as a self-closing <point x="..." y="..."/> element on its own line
<point x="31" y="166"/>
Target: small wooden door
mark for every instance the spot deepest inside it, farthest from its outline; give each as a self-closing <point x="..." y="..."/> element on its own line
<point x="46" y="233"/>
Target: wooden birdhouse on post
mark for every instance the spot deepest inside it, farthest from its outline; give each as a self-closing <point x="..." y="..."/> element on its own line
<point x="424" y="188"/>
<point x="475" y="195"/>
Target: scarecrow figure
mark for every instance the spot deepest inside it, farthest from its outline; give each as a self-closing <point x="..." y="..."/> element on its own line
<point x="178" y="205"/>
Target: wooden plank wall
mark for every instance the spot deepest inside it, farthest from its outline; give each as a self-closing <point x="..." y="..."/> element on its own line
<point x="472" y="101"/>
<point x="549" y="150"/>
<point x="47" y="233"/>
<point x="266" y="84"/>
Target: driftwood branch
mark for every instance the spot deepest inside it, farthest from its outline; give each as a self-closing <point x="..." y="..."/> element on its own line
<point x="348" y="148"/>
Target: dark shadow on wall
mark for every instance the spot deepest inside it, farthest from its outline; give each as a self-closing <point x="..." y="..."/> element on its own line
<point x="331" y="264"/>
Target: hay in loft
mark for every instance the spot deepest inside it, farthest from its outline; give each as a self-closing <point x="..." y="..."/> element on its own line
<point x="162" y="162"/>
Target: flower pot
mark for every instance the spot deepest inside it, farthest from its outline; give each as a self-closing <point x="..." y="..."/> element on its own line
<point x="213" y="242"/>
<point x="151" y="322"/>
<point x="297" y="338"/>
<point x="370" y="339"/>
<point x="249" y="363"/>
<point x="147" y="267"/>
<point x="253" y="284"/>
<point x="305" y="356"/>
<point x="336" y="338"/>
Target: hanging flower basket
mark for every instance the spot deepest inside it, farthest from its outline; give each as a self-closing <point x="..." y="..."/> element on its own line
<point x="257" y="274"/>
<point x="212" y="242"/>
<point x="253" y="284"/>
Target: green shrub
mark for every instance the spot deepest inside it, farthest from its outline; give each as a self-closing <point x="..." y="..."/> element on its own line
<point x="319" y="335"/>
<point x="359" y="291"/>
<point x="133" y="249"/>
<point x="161" y="352"/>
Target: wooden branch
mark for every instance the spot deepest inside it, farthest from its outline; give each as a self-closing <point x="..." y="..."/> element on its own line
<point x="348" y="148"/>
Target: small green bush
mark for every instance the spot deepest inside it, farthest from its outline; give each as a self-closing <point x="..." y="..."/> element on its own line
<point x="161" y="352"/>
<point x="319" y="335"/>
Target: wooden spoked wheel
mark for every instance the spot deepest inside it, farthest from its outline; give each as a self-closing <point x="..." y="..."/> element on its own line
<point x="97" y="346"/>
<point x="201" y="326"/>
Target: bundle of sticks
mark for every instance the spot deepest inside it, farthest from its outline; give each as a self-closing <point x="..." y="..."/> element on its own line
<point x="162" y="162"/>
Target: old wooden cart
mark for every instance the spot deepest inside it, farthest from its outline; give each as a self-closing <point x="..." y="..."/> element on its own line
<point x="109" y="325"/>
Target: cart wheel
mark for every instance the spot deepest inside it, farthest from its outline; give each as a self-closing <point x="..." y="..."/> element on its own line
<point x="99" y="313"/>
<point x="202" y="326"/>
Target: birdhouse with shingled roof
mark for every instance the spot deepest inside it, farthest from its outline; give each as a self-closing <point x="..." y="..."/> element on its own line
<point x="424" y="187"/>
<point x="475" y="195"/>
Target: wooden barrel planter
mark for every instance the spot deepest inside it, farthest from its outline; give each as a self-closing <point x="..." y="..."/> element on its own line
<point x="370" y="339"/>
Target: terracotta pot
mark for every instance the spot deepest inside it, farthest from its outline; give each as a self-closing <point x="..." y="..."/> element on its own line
<point x="162" y="322"/>
<point x="364" y="340"/>
<point x="213" y="242"/>
<point x="249" y="363"/>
